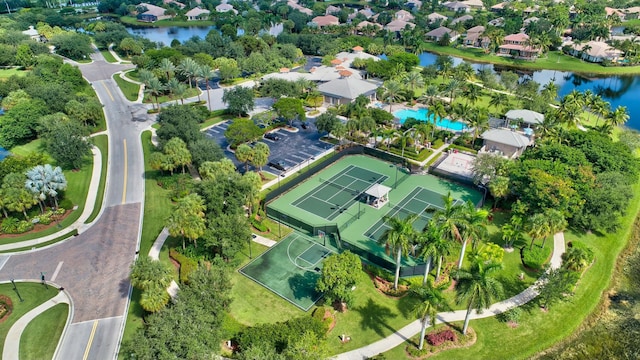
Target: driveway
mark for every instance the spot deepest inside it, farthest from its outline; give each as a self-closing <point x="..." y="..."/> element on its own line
<point x="290" y="150"/>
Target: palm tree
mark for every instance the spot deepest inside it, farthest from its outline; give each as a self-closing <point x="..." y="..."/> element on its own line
<point x="477" y="288"/>
<point x="204" y="73"/>
<point x="619" y="116"/>
<point x="499" y="188"/>
<point x="44" y="181"/>
<point x="392" y="92"/>
<point x="427" y="240"/>
<point x="398" y="238"/>
<point x="478" y="120"/>
<point x="423" y="130"/>
<point x="189" y="68"/>
<point x="413" y="80"/>
<point x="172" y="86"/>
<point x="145" y="76"/>
<point x="452" y="88"/>
<point x="556" y="222"/>
<point x="538" y="227"/>
<point x="431" y="92"/>
<point x="601" y="107"/>
<point x="155" y="89"/>
<point x="499" y="101"/>
<point x="187" y="219"/>
<point x="438" y="112"/>
<point x="404" y="139"/>
<point x="431" y="301"/>
<point x="154" y="299"/>
<point x="475" y="229"/>
<point x="452" y="219"/>
<point x="167" y="67"/>
<point x="550" y="91"/>
<point x="472" y="93"/>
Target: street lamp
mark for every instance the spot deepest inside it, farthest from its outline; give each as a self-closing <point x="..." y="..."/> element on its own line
<point x="15" y="288"/>
<point x="396" y="183"/>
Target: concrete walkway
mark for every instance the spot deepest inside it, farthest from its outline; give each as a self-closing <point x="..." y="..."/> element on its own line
<point x="413" y="328"/>
<point x="79" y="224"/>
<point x="11" y="348"/>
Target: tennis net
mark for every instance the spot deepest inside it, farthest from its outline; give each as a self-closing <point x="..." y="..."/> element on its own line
<point x="353" y="192"/>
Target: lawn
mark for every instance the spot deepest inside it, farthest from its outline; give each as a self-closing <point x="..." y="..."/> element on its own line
<point x="108" y="56"/>
<point x="33" y="295"/>
<point x="129" y="89"/>
<point x="41" y="336"/>
<point x="191" y="92"/>
<point x="539" y="330"/>
<point x="157" y="207"/>
<point x="30" y="147"/>
<point x="77" y="189"/>
<point x="554" y="60"/>
<point x="102" y="142"/>
<point x="7" y="73"/>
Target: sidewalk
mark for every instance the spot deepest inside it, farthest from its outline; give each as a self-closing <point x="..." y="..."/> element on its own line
<point x="12" y="341"/>
<point x="86" y="212"/>
<point x="413" y="328"/>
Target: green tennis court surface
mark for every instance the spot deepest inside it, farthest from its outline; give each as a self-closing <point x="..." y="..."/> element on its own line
<point x="291" y="269"/>
<point x="419" y="201"/>
<point x="336" y="194"/>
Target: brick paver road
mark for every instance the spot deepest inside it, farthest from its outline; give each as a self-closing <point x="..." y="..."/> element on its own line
<point x="95" y="264"/>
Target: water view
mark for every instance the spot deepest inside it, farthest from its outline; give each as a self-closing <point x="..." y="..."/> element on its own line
<point x="423" y="115"/>
<point x="3" y="153"/>
<point x="166" y="35"/>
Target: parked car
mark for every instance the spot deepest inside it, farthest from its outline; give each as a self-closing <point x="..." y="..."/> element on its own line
<point x="279" y="165"/>
<point x="271" y="136"/>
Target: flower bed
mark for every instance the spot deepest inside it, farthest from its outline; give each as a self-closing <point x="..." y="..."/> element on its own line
<point x="6" y="307"/>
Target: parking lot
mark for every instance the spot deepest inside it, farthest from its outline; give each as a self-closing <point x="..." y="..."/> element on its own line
<point x="290" y="150"/>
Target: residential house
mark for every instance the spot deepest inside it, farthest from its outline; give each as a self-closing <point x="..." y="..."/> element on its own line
<point x="346" y="89"/>
<point x="474" y="4"/>
<point x="332" y="10"/>
<point x="596" y="51"/>
<point x="414" y="4"/>
<point x="224" y="7"/>
<point x="528" y="21"/>
<point x="199" y="14"/>
<point x="474" y="37"/>
<point x="461" y="19"/>
<point x="631" y="13"/>
<point x="403" y="15"/>
<point x="500" y="7"/>
<point x="527" y="117"/>
<point x="151" y="13"/>
<point x="294" y="5"/>
<point x="174" y="2"/>
<point x="497" y="22"/>
<point x="434" y="17"/>
<point x="614" y="12"/>
<point x="504" y="142"/>
<point x="367" y="12"/>
<point x="439" y="33"/>
<point x="398" y="25"/>
<point x="528" y="11"/>
<point x="326" y="20"/>
<point x="516" y="46"/>
<point x="363" y="24"/>
<point x="456" y="6"/>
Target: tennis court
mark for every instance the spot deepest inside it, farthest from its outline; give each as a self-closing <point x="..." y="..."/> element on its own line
<point x="291" y="269"/>
<point x="336" y="194"/>
<point x="419" y="201"/>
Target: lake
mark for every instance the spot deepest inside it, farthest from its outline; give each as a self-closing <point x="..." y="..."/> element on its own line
<point x="616" y="89"/>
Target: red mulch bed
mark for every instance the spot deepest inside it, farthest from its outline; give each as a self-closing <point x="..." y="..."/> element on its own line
<point x="38" y="227"/>
<point x="6" y="310"/>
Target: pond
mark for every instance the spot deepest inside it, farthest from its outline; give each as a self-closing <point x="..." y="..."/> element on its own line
<point x="165" y="35"/>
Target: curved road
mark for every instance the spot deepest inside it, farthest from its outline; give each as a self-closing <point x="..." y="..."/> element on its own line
<point x="93" y="267"/>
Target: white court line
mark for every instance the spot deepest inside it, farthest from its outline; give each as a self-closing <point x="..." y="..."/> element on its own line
<point x="55" y="273"/>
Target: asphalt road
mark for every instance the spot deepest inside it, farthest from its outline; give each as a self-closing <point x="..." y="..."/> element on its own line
<point x="94" y="265"/>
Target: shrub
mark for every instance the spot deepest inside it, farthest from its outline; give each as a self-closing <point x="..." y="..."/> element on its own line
<point x="9" y="225"/>
<point x="65" y="204"/>
<point x="577" y="257"/>
<point x="441" y="337"/>
<point x="437" y="143"/>
<point x="536" y="257"/>
<point x="187" y="265"/>
<point x="259" y="225"/>
<point x="279" y="335"/>
<point x="6" y="306"/>
<point x="379" y="272"/>
<point x="512" y="315"/>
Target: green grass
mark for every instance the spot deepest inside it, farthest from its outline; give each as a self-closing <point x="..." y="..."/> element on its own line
<point x="539" y="330"/>
<point x="157" y="207"/>
<point x="28" y="148"/>
<point x="108" y="56"/>
<point x="129" y="89"/>
<point x="132" y="75"/>
<point x="554" y="60"/>
<point x="77" y="189"/>
<point x="102" y="142"/>
<point x="46" y="243"/>
<point x="7" y="73"/>
<point x="41" y="336"/>
<point x="33" y="295"/>
<point x="212" y="121"/>
<point x="192" y="92"/>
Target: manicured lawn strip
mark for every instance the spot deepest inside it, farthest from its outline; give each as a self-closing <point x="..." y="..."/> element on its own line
<point x="212" y="121"/>
<point x="59" y="238"/>
<point x="254" y="304"/>
<point x="193" y="92"/>
<point x="30" y="147"/>
<point x="41" y="336"/>
<point x="554" y="60"/>
<point x="7" y="73"/>
<point x="102" y="142"/>
<point x="33" y="295"/>
<point x="157" y="207"/>
<point x="539" y="330"/>
<point x="108" y="56"/>
<point x="77" y="189"/>
<point x="129" y="89"/>
<point x="132" y="75"/>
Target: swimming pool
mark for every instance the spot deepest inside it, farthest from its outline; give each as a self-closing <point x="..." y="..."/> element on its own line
<point x="421" y="114"/>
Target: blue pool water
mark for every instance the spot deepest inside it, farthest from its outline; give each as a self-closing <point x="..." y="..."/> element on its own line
<point x="3" y="153"/>
<point x="421" y="114"/>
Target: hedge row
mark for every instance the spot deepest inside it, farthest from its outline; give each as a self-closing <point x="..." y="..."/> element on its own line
<point x="187" y="265"/>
